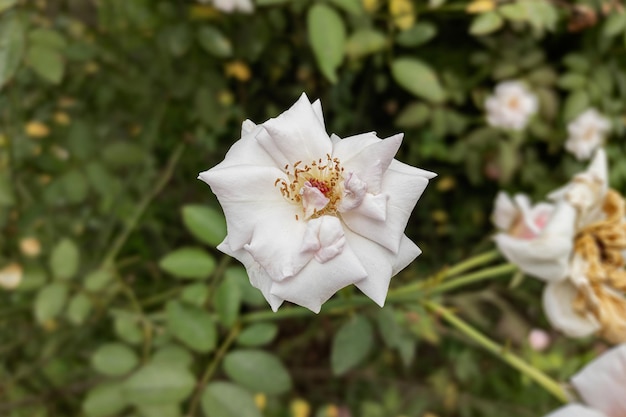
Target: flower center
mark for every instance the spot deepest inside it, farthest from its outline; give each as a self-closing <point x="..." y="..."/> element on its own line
<point x="317" y="187"/>
<point x="601" y="245"/>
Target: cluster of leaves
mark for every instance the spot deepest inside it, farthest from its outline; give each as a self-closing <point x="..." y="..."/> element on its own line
<point x="109" y="109"/>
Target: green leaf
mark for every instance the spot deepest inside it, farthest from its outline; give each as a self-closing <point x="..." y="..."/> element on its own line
<point x="365" y="42"/>
<point x="418" y="35"/>
<point x="47" y="62"/>
<point x="167" y="410"/>
<point x="127" y="329"/>
<point x="413" y="115"/>
<point x="114" y="359"/>
<point x="486" y="23"/>
<point x="78" y="309"/>
<point x="205" y="224"/>
<point x="214" y="42"/>
<point x="515" y="12"/>
<point x="258" y="371"/>
<point x="327" y="35"/>
<point x="50" y="301"/>
<point x="192" y="326"/>
<point x="575" y="103"/>
<point x="572" y="81"/>
<point x="223" y="399"/>
<point x="104" y="400"/>
<point x="614" y="24"/>
<point x="173" y="354"/>
<point x="64" y="259"/>
<point x="159" y="383"/>
<point x="12" y="42"/>
<point x="6" y="4"/>
<point x="47" y="37"/>
<point x="227" y="301"/>
<point x="188" y="263"/>
<point x="351" y="345"/>
<point x="178" y="39"/>
<point x="97" y="280"/>
<point x="257" y="334"/>
<point x="418" y="78"/>
<point x="195" y="294"/>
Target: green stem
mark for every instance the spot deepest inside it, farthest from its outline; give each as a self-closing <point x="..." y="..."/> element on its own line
<point x="117" y="245"/>
<point x="408" y="293"/>
<point x="472" y="262"/>
<point x="434" y="284"/>
<point x="549" y="384"/>
<point x="210" y="370"/>
<point x="472" y="278"/>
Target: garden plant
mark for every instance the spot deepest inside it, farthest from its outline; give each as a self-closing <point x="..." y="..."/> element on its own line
<point x="312" y="208"/>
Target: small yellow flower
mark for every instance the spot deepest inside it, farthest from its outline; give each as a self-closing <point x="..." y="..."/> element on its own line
<point x="44" y="179"/>
<point x="238" y="70"/>
<point x="62" y="118"/>
<point x="331" y="411"/>
<point x="480" y="6"/>
<point x="370" y="6"/>
<point x="30" y="247"/>
<point x="225" y="98"/>
<point x="300" y="408"/>
<point x="260" y="400"/>
<point x="135" y="129"/>
<point x="446" y="183"/>
<point x="36" y="129"/>
<point x="91" y="67"/>
<point x="402" y="13"/>
<point x="11" y="276"/>
<point x="60" y="153"/>
<point x="440" y="216"/>
<point x="66" y="102"/>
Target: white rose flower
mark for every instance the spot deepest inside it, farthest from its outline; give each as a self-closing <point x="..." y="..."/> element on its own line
<point x="538" y="239"/>
<point x="579" y="252"/>
<point x="308" y="214"/>
<point x="601" y="386"/>
<point x="511" y="106"/>
<point x="586" y="133"/>
<point x="230" y="6"/>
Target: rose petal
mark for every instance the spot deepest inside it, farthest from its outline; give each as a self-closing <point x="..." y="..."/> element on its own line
<point x="312" y="199"/>
<point x="371" y="162"/>
<point x="404" y="186"/>
<point x="504" y="212"/>
<point x="324" y="237"/>
<point x="295" y="135"/>
<point x="256" y="274"/>
<point x="602" y="383"/>
<point x="558" y="300"/>
<point x="380" y="263"/>
<point x="547" y="256"/>
<point x="248" y="197"/>
<point x="575" y="410"/>
<point x="317" y="282"/>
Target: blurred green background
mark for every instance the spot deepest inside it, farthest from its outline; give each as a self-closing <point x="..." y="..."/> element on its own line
<point x="114" y="300"/>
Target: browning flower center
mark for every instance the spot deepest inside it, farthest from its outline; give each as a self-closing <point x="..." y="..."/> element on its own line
<point x="317" y="186"/>
<point x="602" y="245"/>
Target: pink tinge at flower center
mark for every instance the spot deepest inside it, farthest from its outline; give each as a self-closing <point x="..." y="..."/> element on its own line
<point x="317" y="187"/>
<point x="522" y="230"/>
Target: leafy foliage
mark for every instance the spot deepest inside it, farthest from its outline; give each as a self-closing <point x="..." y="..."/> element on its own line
<point x="110" y="109"/>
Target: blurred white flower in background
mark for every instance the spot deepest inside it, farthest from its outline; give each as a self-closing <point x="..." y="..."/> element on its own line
<point x="586" y="133"/>
<point x="511" y="106"/>
<point x="601" y="385"/>
<point x="230" y="6"/>
<point x="11" y="276"/>
<point x="308" y="214"/>
<point x="579" y="253"/>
